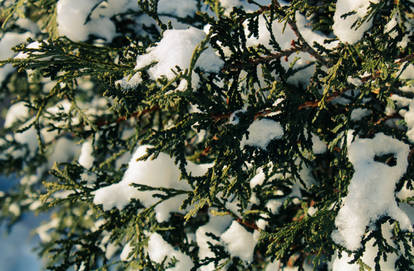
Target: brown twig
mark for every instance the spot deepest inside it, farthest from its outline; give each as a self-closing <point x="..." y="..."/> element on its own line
<point x="305" y="45"/>
<point x="120" y="119"/>
<point x="250" y="225"/>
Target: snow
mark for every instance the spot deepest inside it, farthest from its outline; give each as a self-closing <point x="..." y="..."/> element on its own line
<point x="159" y="172"/>
<point x="310" y="35"/>
<point x="27" y="138"/>
<point x="126" y="251"/>
<point x="240" y="243"/>
<point x="274" y="205"/>
<point x="32" y="45"/>
<point x="300" y="59"/>
<point x="342" y="27"/>
<point x="389" y="27"/>
<point x="63" y="151"/>
<point x="72" y="18"/>
<point x="371" y="251"/>
<point x="371" y="189"/>
<point x="17" y="112"/>
<point x="234" y="117"/>
<point x="216" y="225"/>
<point x="284" y="36"/>
<point x="228" y="5"/>
<point x="354" y="81"/>
<point x="86" y="159"/>
<point x="43" y="231"/>
<point x="175" y="49"/>
<point x="407" y="75"/>
<point x="318" y="146"/>
<point x="407" y="115"/>
<point x="359" y="113"/>
<point x="179" y="8"/>
<point x="14" y="209"/>
<point x="7" y="42"/>
<point x="261" y="132"/>
<point x="258" y="179"/>
<point x="159" y="249"/>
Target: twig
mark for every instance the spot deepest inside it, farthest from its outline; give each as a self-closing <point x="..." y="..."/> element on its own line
<point x="308" y="48"/>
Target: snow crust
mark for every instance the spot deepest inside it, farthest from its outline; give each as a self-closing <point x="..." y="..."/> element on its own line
<point x="371" y="189"/>
<point x="261" y="132"/>
<point x="158" y="172"/>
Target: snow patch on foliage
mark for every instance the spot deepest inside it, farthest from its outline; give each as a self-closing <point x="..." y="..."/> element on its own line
<point x="312" y="36"/>
<point x="76" y="19"/>
<point x="126" y="251"/>
<point x="8" y="41"/>
<point x="216" y="225"/>
<point x="407" y="75"/>
<point x="175" y="49"/>
<point x="159" y="250"/>
<point x="408" y="115"/>
<point x="285" y="37"/>
<point x="86" y="158"/>
<point x="17" y="112"/>
<point x="261" y="132"/>
<point x="179" y="8"/>
<point x="368" y="257"/>
<point x="63" y="151"/>
<point x="158" y="172"/>
<point x="240" y="243"/>
<point x="371" y="189"/>
<point x="318" y="146"/>
<point x="359" y="113"/>
<point x="342" y="27"/>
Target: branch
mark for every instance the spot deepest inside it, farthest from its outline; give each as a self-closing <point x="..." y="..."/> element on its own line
<point x="308" y="48"/>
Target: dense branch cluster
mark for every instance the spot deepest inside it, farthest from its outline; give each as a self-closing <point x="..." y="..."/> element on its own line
<point x="211" y="135"/>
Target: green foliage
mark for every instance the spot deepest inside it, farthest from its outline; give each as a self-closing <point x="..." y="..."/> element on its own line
<point x="250" y="82"/>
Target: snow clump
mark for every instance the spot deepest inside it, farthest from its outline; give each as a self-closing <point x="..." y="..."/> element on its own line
<point x="261" y="132"/>
<point x="371" y="189"/>
<point x="86" y="158"/>
<point x="179" y="8"/>
<point x="159" y="250"/>
<point x="7" y="42"/>
<point x="240" y="243"/>
<point x="343" y="27"/>
<point x="175" y="49"/>
<point x="158" y="172"/>
<point x="216" y="225"/>
<point x="77" y="19"/>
